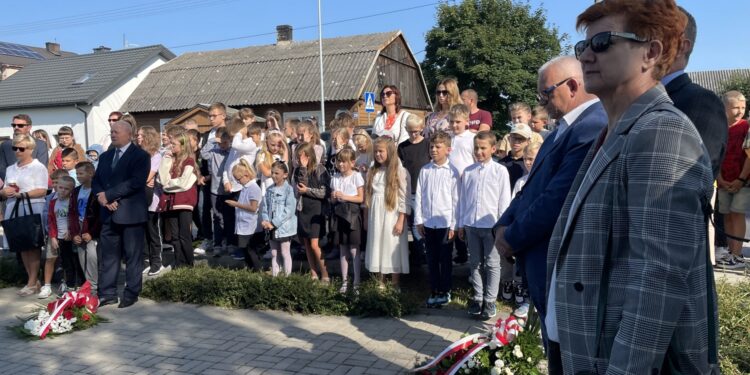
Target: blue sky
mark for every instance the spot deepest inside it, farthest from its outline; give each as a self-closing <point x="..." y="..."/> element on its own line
<point x="81" y="25"/>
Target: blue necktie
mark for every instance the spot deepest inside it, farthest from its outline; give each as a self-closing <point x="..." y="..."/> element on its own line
<point x="116" y="158"/>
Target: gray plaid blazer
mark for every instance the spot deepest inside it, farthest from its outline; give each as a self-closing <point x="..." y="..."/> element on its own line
<point x="631" y="253"/>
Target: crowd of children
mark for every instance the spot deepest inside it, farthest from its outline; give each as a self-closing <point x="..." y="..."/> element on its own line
<point x="269" y="184"/>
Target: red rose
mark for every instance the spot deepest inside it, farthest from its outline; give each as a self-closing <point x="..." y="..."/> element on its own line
<point x="85" y="316"/>
<point x="80" y="302"/>
<point x="68" y="314"/>
<point x="51" y="307"/>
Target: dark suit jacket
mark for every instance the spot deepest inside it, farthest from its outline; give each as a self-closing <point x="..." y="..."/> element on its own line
<point x="125" y="184"/>
<point x="8" y="157"/>
<point x="706" y="111"/>
<point x="532" y="214"/>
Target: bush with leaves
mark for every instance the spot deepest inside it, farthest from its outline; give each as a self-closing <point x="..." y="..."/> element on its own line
<point x="734" y="326"/>
<point x="11" y="273"/>
<point x="294" y="293"/>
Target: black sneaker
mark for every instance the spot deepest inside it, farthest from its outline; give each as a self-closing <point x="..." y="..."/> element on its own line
<point x="507" y="294"/>
<point x="521" y="294"/>
<point x="490" y="310"/>
<point x="475" y="308"/>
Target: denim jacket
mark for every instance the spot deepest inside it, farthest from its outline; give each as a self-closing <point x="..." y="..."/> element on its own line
<point x="278" y="207"/>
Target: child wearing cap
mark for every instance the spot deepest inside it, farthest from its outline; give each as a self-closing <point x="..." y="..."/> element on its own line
<point x="519" y="138"/>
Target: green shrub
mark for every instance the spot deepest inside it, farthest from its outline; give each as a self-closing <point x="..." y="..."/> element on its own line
<point x="734" y="326"/>
<point x="11" y="273"/>
<point x="294" y="293"/>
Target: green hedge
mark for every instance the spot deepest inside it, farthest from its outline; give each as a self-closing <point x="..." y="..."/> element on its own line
<point x="11" y="273"/>
<point x="245" y="289"/>
<point x="734" y="326"/>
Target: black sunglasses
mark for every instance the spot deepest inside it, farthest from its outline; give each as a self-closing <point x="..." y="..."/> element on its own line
<point x="543" y="97"/>
<point x="386" y="94"/>
<point x="442" y="92"/>
<point x="601" y="42"/>
<point x="19" y="125"/>
<point x="18" y="149"/>
<point x="113" y="120"/>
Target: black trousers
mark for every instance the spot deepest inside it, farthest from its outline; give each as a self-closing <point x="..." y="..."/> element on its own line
<point x="554" y="358"/>
<point x="206" y="227"/>
<point x="74" y="276"/>
<point x="251" y="245"/>
<point x="153" y="241"/>
<point x="118" y="242"/>
<point x="179" y="222"/>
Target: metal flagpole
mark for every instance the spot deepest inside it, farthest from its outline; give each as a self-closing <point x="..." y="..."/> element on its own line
<point x="322" y="120"/>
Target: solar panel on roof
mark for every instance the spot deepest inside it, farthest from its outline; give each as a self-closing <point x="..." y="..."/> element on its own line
<point x="11" y="49"/>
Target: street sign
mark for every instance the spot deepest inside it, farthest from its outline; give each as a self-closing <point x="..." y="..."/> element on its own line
<point x="369" y="102"/>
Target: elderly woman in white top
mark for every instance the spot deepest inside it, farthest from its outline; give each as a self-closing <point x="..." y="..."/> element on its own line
<point x="391" y="121"/>
<point x="26" y="178"/>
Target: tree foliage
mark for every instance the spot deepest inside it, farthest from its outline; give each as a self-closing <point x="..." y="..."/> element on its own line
<point x="737" y="82"/>
<point x="492" y="46"/>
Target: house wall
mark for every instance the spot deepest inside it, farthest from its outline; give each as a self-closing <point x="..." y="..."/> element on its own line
<point x="113" y="101"/>
<point x="51" y="119"/>
<point x="152" y="118"/>
<point x="48" y="119"/>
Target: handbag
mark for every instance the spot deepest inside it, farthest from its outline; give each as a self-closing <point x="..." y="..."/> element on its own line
<point x="24" y="232"/>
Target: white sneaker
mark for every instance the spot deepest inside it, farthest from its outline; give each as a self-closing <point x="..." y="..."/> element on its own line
<point x="206" y="245"/>
<point x="45" y="292"/>
<point x="199" y="251"/>
<point x="720" y="252"/>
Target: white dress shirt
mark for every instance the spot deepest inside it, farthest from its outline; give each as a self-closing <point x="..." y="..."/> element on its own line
<point x="485" y="194"/>
<point x="462" y="151"/>
<point x="436" y="201"/>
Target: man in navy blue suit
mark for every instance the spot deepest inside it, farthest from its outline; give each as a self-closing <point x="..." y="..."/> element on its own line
<point x="525" y="228"/>
<point x="119" y="185"/>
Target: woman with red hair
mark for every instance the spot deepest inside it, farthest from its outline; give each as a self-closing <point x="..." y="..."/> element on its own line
<point x="631" y="287"/>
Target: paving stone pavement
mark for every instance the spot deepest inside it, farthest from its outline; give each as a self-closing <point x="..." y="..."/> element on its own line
<point x="174" y="338"/>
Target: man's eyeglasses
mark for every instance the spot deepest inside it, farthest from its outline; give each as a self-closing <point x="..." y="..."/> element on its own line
<point x="442" y="92"/>
<point x="601" y="42"/>
<point x="386" y="94"/>
<point x="18" y="149"/>
<point x="19" y="125"/>
<point x="543" y="97"/>
<point x="212" y="115"/>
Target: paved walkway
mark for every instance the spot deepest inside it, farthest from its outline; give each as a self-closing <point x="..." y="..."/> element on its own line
<point x="171" y="338"/>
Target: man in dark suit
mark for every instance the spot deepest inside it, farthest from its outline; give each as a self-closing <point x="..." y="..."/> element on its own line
<point x="704" y="109"/>
<point x="526" y="226"/>
<point x="21" y="124"/>
<point x="119" y="185"/>
<point x="701" y="106"/>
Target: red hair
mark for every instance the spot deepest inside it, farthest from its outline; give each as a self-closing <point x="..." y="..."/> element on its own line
<point x="658" y="20"/>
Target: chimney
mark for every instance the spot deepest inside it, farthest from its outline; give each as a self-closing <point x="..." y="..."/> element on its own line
<point x="283" y="35"/>
<point x="102" y="49"/>
<point x="53" y="48"/>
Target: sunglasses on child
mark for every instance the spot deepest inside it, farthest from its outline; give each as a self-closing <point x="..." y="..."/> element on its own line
<point x="601" y="42"/>
<point x="18" y="149"/>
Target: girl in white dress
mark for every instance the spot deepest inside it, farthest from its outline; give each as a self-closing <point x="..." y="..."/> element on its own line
<point x="386" y="195"/>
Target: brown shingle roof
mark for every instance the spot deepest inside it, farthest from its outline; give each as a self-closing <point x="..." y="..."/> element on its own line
<point x="714" y="79"/>
<point x="258" y="75"/>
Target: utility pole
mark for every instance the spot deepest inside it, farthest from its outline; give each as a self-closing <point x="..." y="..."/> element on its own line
<point x="322" y="120"/>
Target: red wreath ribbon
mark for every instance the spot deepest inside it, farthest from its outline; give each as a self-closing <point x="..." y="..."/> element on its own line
<point x="81" y="298"/>
<point x="502" y="333"/>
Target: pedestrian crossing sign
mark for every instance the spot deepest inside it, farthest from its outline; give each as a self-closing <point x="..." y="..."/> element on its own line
<point x="369" y="101"/>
